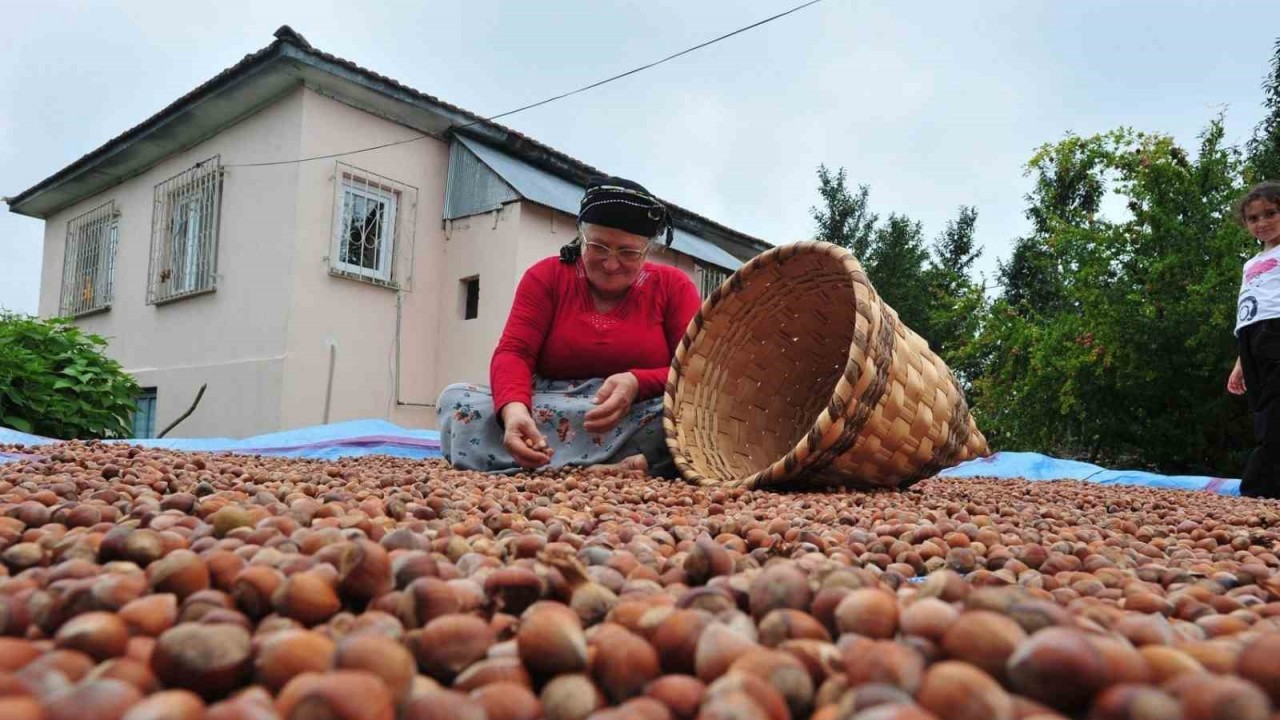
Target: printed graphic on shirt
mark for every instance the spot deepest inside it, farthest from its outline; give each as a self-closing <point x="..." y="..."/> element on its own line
<point x="1258" y="269"/>
<point x="1247" y="310"/>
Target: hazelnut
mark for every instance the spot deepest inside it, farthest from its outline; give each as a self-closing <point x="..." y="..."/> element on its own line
<point x="1058" y="667"/>
<point x="287" y="654"/>
<point x="955" y="690"/>
<point x="150" y="615"/>
<point x="682" y="694"/>
<point x="780" y="585"/>
<point x="570" y="697"/>
<point x="1127" y="701"/>
<point x="448" y="644"/>
<point x="888" y="663"/>
<point x="306" y="597"/>
<point x="340" y="695"/>
<point x="870" y="612"/>
<point x="550" y="640"/>
<point x="985" y="639"/>
<point x="785" y="673"/>
<point x="93" y="700"/>
<point x="788" y="624"/>
<point x="624" y="665"/>
<point x="425" y="599"/>
<point x="382" y="656"/>
<point x="508" y="701"/>
<point x="928" y="617"/>
<point x="491" y="670"/>
<point x="210" y="660"/>
<point x="1257" y="664"/>
<point x="181" y="572"/>
<point x="134" y="672"/>
<point x="442" y="705"/>
<point x="718" y="647"/>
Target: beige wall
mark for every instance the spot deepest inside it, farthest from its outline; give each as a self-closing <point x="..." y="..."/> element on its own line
<point x="357" y="317"/>
<point x="232" y="339"/>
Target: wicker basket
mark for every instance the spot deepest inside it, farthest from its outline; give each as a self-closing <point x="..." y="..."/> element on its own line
<point x="796" y="373"/>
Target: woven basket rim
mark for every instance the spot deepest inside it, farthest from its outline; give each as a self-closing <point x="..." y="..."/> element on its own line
<point x="782" y="468"/>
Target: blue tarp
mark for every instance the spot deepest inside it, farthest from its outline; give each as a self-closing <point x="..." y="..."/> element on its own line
<point x="1034" y="466"/>
<point x="379" y="437"/>
<point x="325" y="442"/>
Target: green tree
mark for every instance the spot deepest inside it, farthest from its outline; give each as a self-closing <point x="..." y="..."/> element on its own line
<point x="55" y="381"/>
<point x="1264" y="147"/>
<point x="896" y="265"/>
<point x="956" y="302"/>
<point x="844" y="219"/>
<point x="1112" y="340"/>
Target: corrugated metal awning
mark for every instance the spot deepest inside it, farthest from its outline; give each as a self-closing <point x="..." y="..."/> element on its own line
<point x="539" y="186"/>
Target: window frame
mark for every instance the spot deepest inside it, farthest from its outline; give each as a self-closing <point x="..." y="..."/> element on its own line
<point x="185" y="226"/>
<point x="99" y="226"/>
<point x="384" y="250"/>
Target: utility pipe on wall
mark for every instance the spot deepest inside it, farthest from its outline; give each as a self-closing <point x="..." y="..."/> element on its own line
<point x="328" y="390"/>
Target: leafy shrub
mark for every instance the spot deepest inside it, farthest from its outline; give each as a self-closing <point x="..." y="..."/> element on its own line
<point x="55" y="381"/>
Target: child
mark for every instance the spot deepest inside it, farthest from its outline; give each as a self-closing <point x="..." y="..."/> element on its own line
<point x="1257" y="371"/>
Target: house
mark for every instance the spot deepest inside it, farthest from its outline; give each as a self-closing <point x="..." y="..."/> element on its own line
<point x="339" y="287"/>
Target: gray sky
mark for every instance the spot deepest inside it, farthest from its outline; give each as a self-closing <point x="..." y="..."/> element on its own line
<point x="934" y="105"/>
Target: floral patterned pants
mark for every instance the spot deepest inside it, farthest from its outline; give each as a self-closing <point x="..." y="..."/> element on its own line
<point x="471" y="437"/>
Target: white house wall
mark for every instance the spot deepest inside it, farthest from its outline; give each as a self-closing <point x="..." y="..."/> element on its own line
<point x="356" y="318"/>
<point x="231" y="339"/>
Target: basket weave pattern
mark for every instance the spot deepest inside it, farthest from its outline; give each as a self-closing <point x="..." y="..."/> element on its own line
<point x="795" y="372"/>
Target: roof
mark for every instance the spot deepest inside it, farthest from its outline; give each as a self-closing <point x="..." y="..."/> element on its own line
<point x="262" y="77"/>
<point x="543" y="188"/>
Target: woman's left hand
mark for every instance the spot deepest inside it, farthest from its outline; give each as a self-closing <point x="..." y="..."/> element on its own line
<point x="613" y="400"/>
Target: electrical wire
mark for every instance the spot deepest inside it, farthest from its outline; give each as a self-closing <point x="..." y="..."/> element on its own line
<point x="540" y="103"/>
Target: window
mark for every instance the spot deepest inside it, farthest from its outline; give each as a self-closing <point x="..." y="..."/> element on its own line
<point x="709" y="278"/>
<point x="144" y="414"/>
<point x="469" y="297"/>
<point x="184" y="233"/>
<point x="368" y="222"/>
<point x="88" y="261"/>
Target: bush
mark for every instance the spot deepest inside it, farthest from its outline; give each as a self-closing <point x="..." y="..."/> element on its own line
<point x="55" y="381"/>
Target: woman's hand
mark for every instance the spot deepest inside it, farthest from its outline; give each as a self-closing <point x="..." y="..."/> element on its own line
<point x="522" y="439"/>
<point x="613" y="401"/>
<point x="1235" y="383"/>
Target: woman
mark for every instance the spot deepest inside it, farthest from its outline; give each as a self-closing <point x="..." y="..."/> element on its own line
<point x="578" y="375"/>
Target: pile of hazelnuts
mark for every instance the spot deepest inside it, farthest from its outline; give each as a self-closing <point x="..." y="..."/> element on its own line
<point x="142" y="584"/>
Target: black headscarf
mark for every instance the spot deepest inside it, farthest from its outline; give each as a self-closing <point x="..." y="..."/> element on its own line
<point x="622" y="204"/>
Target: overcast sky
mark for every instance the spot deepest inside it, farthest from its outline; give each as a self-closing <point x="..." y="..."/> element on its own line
<point x="934" y="105"/>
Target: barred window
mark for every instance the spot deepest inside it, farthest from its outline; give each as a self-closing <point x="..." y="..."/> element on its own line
<point x="184" y="233"/>
<point x="89" y="260"/>
<point x="710" y="278"/>
<point x="366" y="222"/>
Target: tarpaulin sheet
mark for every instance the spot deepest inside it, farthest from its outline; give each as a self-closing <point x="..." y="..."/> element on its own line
<point x="323" y="442"/>
<point x="379" y="437"/>
<point x="1034" y="466"/>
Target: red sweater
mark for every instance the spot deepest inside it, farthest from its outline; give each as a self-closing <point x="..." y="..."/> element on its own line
<point x="555" y="331"/>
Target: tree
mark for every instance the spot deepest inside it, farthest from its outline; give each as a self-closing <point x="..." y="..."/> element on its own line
<point x="956" y="302"/>
<point x="1112" y="339"/>
<point x="1264" y="147"/>
<point x="55" y="381"/>
<point x="844" y="218"/>
<point x="895" y="264"/>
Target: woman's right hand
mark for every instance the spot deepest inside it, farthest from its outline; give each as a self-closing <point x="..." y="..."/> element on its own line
<point x="522" y="439"/>
<point x="1235" y="383"/>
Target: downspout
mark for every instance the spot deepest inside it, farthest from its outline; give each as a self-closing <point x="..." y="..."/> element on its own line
<point x="328" y="390"/>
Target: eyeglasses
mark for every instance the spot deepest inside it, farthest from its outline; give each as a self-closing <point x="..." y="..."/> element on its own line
<point x="627" y="256"/>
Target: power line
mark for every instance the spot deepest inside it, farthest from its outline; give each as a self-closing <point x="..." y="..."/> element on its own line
<point x="548" y="100"/>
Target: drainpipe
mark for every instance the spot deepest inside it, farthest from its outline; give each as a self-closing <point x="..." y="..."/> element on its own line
<point x="328" y="390"/>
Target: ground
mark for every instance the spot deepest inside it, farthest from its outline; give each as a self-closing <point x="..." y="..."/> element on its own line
<point x="136" y="581"/>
